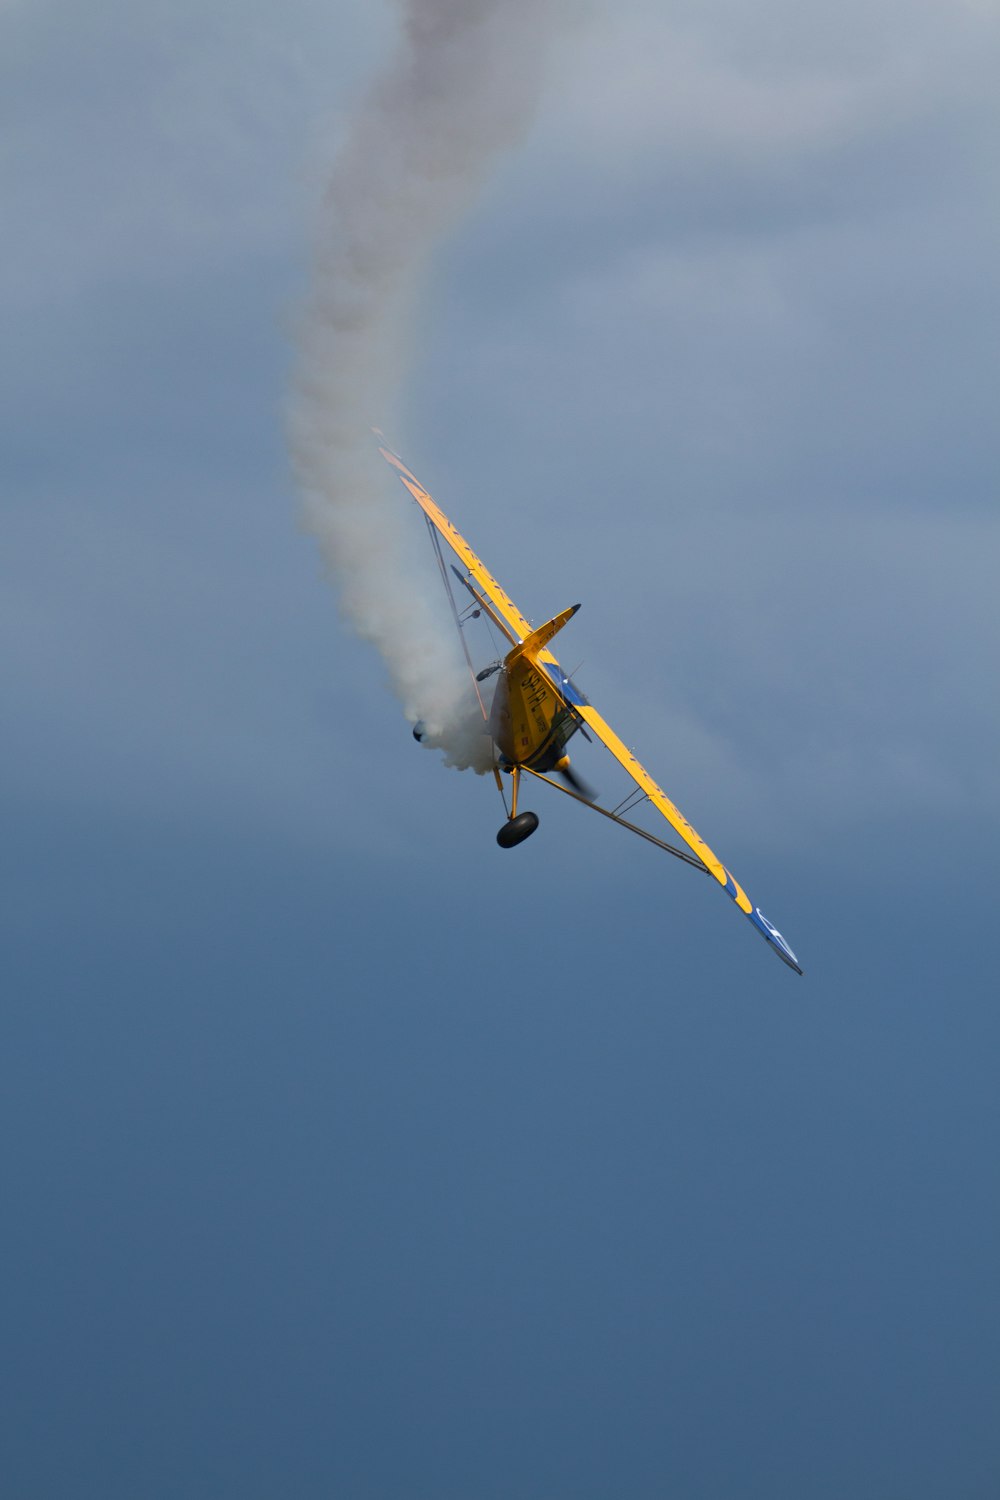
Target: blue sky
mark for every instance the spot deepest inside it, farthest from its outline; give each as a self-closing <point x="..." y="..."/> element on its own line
<point x="345" y="1154"/>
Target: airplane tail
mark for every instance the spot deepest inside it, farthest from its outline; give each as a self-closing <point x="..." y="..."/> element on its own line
<point x="540" y="638"/>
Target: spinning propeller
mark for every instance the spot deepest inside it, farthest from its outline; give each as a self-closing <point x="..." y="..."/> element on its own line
<point x="574" y="780"/>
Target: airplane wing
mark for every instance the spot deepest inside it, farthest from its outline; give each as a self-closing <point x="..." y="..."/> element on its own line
<point x="511" y="620"/>
<point x="658" y="797"/>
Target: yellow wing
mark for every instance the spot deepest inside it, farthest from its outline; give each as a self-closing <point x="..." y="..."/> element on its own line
<point x="567" y="691"/>
<point x="518" y="627"/>
<point x="658" y="797"/>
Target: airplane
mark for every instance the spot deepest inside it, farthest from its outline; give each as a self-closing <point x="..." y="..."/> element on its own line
<point x="536" y="709"/>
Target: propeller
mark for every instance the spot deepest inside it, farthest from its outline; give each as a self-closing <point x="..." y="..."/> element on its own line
<point x="575" y="780"/>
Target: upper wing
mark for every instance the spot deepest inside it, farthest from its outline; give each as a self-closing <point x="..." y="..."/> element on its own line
<point x="510" y="616"/>
<point x="658" y="797"/>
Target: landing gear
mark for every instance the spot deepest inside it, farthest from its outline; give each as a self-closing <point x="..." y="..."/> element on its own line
<point x="516" y="830"/>
<point x="519" y="826"/>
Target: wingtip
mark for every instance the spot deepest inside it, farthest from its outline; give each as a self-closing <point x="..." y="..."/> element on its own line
<point x="775" y="940"/>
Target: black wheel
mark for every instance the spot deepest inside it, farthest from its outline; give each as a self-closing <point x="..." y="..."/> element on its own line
<point x="516" y="830"/>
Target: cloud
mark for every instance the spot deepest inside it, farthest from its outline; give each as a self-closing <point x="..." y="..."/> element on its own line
<point x="644" y="82"/>
<point x="734" y="397"/>
<point x="144" y="145"/>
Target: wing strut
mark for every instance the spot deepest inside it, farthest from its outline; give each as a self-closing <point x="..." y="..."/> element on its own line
<point x="615" y="816"/>
<point x="436" y="543"/>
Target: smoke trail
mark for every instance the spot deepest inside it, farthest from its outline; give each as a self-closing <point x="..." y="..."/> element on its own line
<point x="460" y="88"/>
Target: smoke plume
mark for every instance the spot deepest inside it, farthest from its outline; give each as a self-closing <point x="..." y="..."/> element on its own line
<point x="460" y="88"/>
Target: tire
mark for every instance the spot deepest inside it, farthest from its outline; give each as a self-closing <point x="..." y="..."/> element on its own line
<point x="516" y="830"/>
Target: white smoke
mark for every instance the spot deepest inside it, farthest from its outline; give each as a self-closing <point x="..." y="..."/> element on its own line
<point x="460" y="88"/>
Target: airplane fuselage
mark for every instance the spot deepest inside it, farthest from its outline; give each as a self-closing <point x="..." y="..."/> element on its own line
<point x="529" y="724"/>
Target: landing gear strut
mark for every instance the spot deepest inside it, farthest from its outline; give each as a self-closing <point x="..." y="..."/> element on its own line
<point x="519" y="826"/>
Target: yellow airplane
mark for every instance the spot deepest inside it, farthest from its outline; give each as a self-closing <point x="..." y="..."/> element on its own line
<point x="536" y="709"/>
